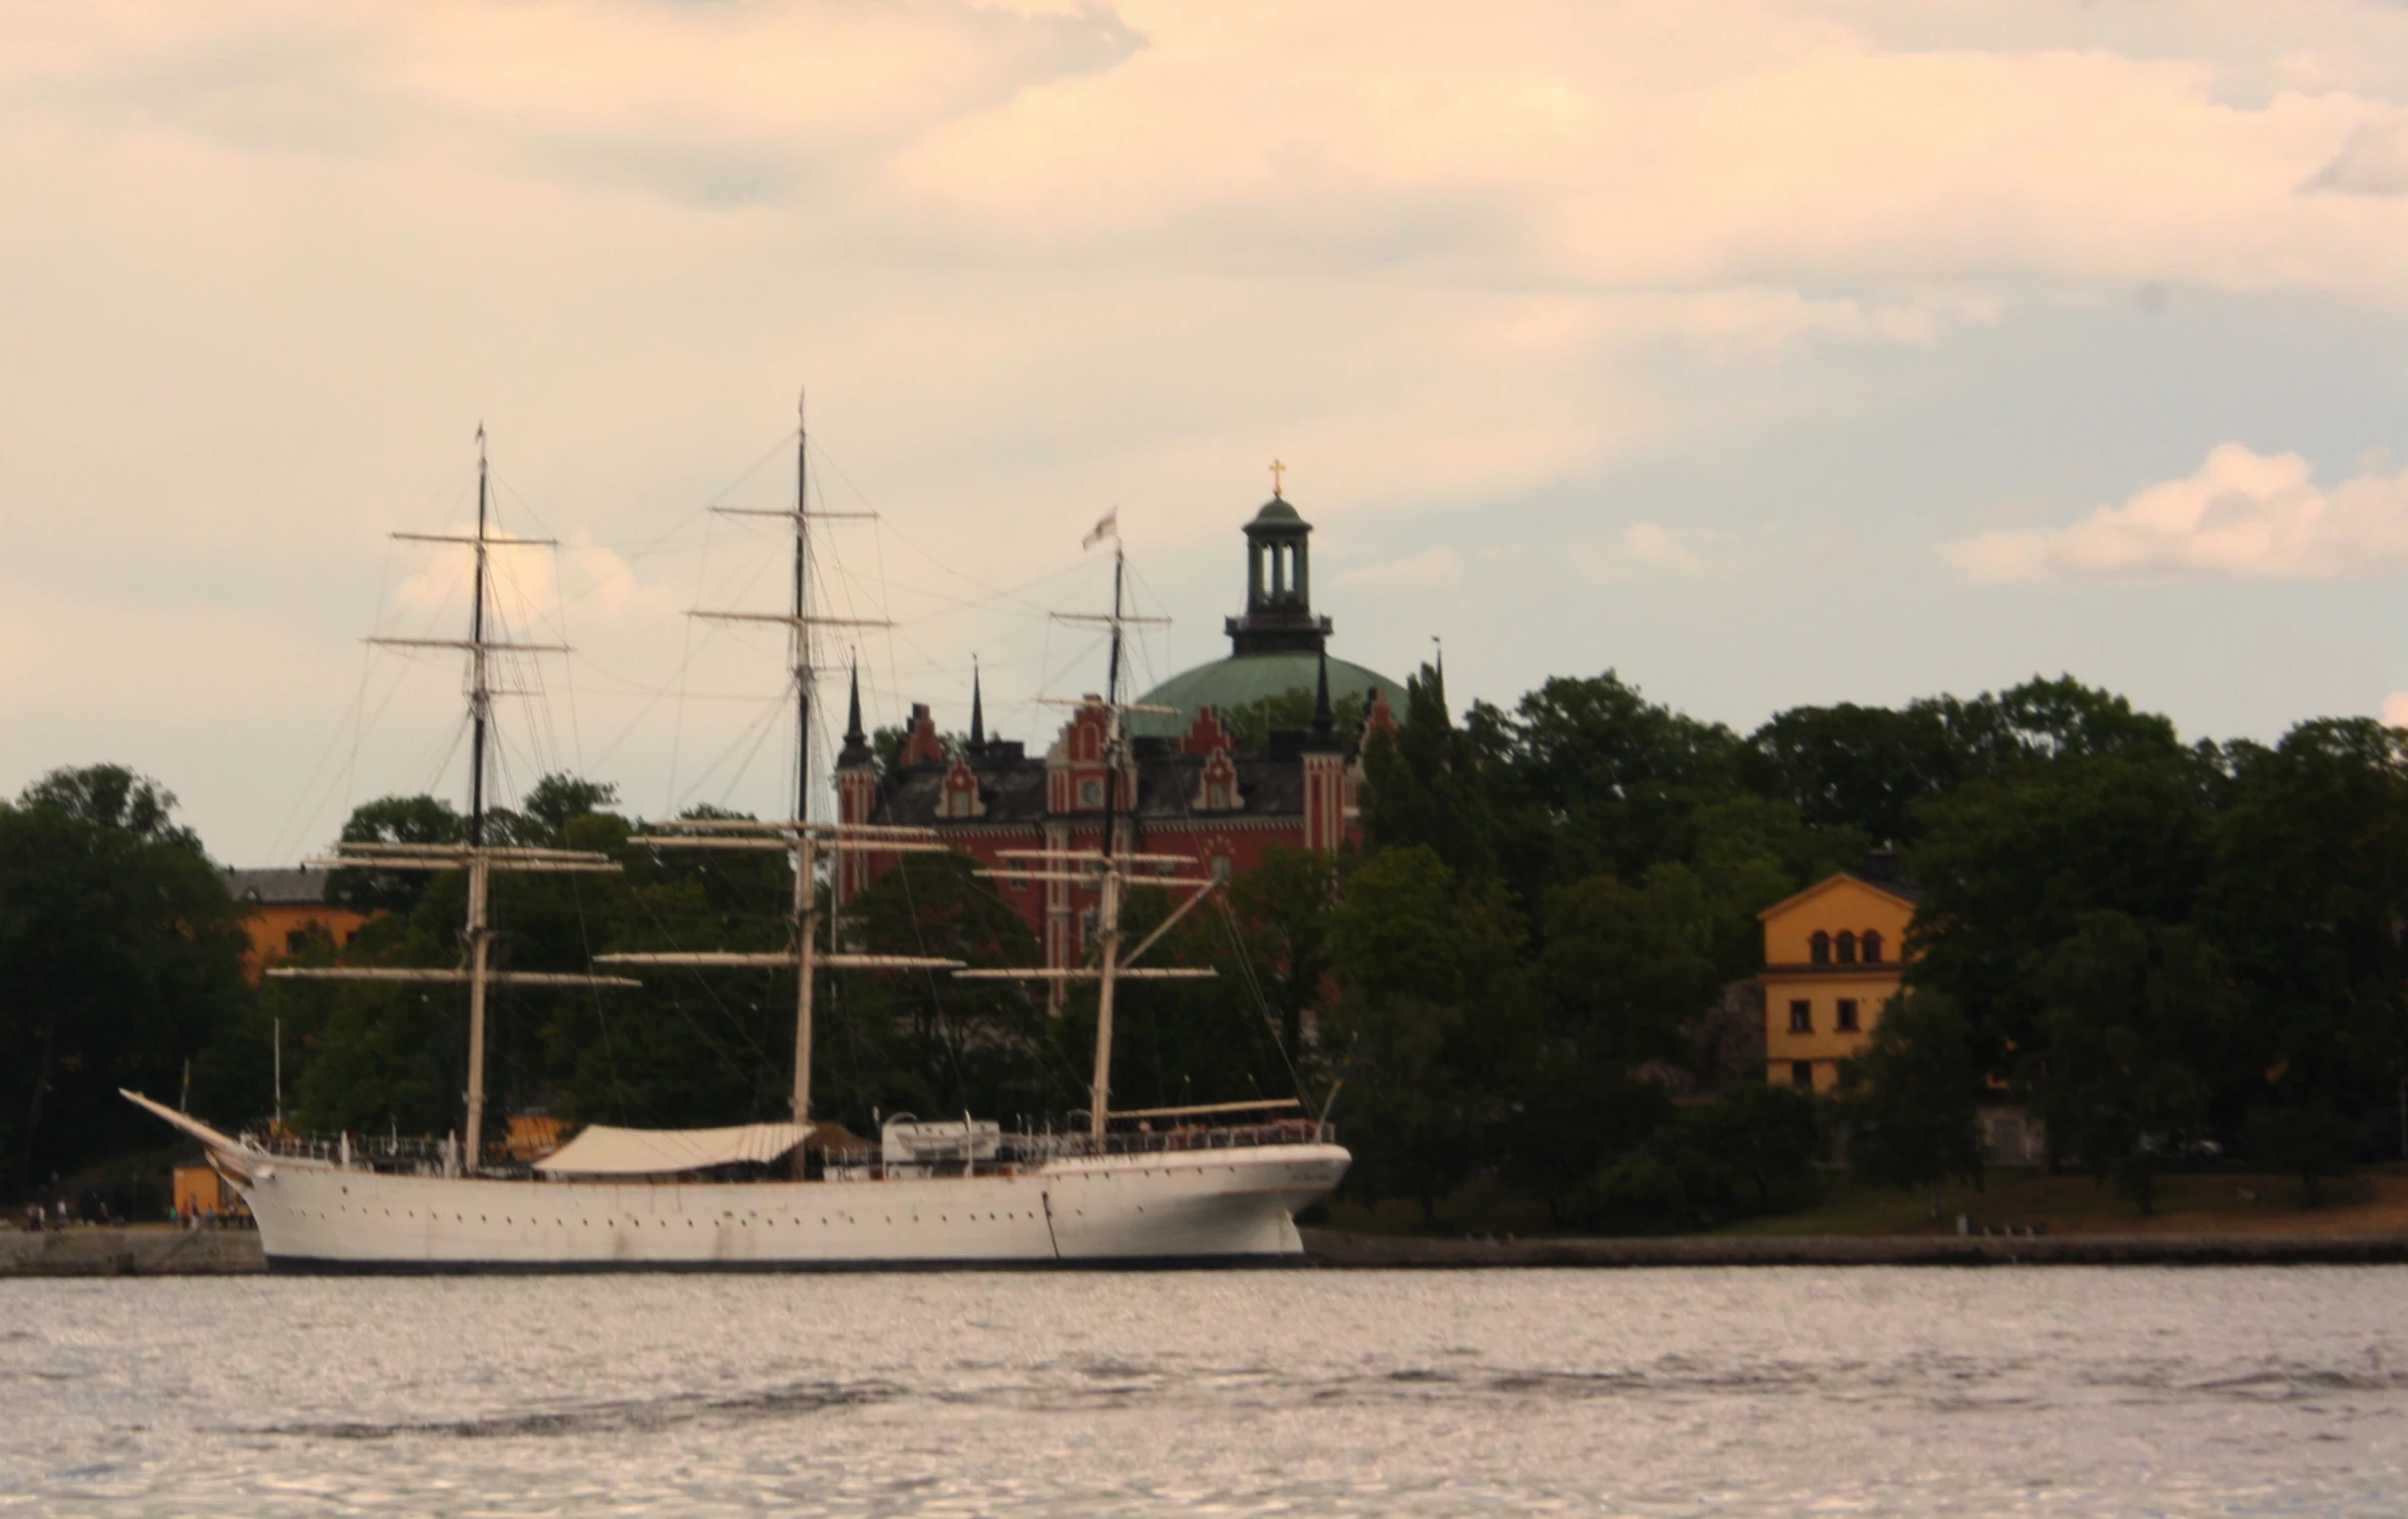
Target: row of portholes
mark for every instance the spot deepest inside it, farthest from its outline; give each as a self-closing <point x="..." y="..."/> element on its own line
<point x="1847" y="948"/>
<point x="637" y="1223"/>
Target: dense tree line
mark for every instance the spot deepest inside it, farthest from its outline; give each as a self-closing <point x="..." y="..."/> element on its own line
<point x="2165" y="950"/>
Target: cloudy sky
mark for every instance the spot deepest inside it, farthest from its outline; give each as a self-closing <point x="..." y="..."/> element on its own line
<point x="1767" y="351"/>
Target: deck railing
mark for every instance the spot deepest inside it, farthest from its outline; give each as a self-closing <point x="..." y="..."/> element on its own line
<point x="1021" y="1151"/>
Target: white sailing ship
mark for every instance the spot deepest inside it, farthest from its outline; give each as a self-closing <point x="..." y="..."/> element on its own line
<point x="1218" y="1184"/>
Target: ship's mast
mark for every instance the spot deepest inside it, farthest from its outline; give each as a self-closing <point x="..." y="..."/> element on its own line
<point x="805" y="671"/>
<point x="481" y="714"/>
<point x="474" y="856"/>
<point x="1107" y="905"/>
<point x="802" y="841"/>
<point x="806" y="865"/>
<point x="1106" y="868"/>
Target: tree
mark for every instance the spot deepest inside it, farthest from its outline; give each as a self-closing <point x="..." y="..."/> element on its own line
<point x="1433" y="1013"/>
<point x="1709" y="1164"/>
<point x="1287" y="904"/>
<point x="120" y="958"/>
<point x="544" y="815"/>
<point x="1863" y="767"/>
<point x="1765" y="1136"/>
<point x="379" y="1056"/>
<point x="924" y="1040"/>
<point x="417" y="820"/>
<point x="2009" y="867"/>
<point x="1626" y="969"/>
<point x="1424" y="784"/>
<point x="1909" y="1101"/>
<point x="1592" y="778"/>
<point x="1875" y="767"/>
<point x="2130" y="1013"/>
<point x="2306" y="894"/>
<point x="115" y="799"/>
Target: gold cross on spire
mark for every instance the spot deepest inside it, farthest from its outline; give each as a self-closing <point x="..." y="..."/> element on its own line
<point x="1277" y="470"/>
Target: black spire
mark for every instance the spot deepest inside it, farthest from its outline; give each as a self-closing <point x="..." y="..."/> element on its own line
<point x="978" y="713"/>
<point x="856" y="752"/>
<point x="1325" y="724"/>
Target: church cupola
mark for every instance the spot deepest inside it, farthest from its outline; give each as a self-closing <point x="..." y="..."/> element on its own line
<point x="1279" y="583"/>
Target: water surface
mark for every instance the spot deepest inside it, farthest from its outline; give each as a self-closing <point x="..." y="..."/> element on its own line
<point x="2054" y="1390"/>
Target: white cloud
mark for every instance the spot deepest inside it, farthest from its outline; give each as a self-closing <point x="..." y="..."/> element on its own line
<point x="1651" y="544"/>
<point x="270" y="262"/>
<point x="2374" y="161"/>
<point x="1426" y="570"/>
<point x="531" y="588"/>
<point x="1645" y="548"/>
<point x="2241" y="513"/>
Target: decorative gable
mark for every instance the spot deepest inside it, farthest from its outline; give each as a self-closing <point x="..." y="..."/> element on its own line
<point x="1205" y="734"/>
<point x="1074" y="768"/>
<point x="958" y="797"/>
<point x="921" y="745"/>
<point x="1841" y="920"/>
<point x="1217" y="783"/>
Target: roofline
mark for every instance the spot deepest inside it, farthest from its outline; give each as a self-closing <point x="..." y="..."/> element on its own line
<point x="1825" y="884"/>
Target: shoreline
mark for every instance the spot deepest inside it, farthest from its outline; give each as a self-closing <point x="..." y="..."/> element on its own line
<point x="159" y="1251"/>
<point x="1338" y="1250"/>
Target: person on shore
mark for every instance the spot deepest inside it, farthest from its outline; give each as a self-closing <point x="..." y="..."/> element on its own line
<point x="33" y="1218"/>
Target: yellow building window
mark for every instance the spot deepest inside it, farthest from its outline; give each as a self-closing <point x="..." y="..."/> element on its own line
<point x="1801" y="1016"/>
<point x="1847" y="1021"/>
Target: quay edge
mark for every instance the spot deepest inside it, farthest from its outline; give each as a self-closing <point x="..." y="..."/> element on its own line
<point x="177" y="1253"/>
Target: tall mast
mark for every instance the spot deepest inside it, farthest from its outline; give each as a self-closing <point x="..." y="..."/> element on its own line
<point x="480" y="709"/>
<point x="804" y="672"/>
<point x="1106" y="868"/>
<point x="806" y="871"/>
<point x="1107" y="906"/>
<point x="480" y="695"/>
<point x="799" y="838"/>
<point x="474" y="855"/>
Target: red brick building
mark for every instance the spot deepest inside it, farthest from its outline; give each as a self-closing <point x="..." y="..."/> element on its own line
<point x="1187" y="785"/>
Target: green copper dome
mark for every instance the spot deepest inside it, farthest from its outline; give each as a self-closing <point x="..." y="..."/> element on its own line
<point x="1245" y="679"/>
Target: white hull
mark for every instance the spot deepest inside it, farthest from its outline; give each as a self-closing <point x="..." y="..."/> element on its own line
<point x="1197" y="1207"/>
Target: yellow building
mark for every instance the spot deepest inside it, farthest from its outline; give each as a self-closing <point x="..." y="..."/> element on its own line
<point x="285" y="909"/>
<point x="200" y="1192"/>
<point x="1831" y="958"/>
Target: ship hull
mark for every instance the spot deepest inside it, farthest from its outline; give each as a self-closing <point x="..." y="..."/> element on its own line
<point x="1198" y="1208"/>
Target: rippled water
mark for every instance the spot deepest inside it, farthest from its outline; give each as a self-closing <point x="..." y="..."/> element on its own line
<point x="1767" y="1390"/>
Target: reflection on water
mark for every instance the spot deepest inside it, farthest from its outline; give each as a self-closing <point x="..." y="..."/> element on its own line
<point x="1765" y="1390"/>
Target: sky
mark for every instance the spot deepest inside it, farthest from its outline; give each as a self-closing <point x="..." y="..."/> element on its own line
<point x="1766" y="352"/>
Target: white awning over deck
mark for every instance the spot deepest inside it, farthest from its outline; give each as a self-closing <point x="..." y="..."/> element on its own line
<point x="602" y="1150"/>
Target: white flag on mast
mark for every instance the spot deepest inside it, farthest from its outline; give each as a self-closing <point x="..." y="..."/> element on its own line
<point x="1106" y="526"/>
